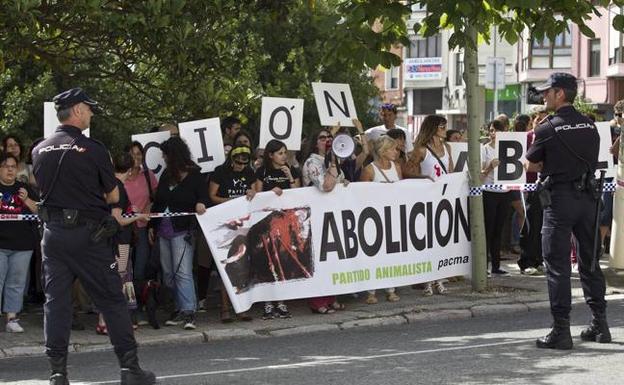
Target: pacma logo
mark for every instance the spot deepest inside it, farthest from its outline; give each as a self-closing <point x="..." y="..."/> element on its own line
<point x="61" y="147"/>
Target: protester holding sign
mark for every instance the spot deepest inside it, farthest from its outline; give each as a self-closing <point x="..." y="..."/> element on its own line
<point x="276" y="175"/>
<point x="320" y="170"/>
<point x="432" y="157"/>
<point x="181" y="189"/>
<point x="496" y="203"/>
<point x="384" y="169"/>
<point x="17" y="240"/>
<point x="140" y="185"/>
<point x="388" y="114"/>
<point x="232" y="179"/>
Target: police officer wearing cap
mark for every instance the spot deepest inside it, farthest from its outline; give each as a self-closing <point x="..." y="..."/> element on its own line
<point x="77" y="182"/>
<point x="565" y="152"/>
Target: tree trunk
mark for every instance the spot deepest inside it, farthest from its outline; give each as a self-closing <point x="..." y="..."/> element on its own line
<point x="477" y="227"/>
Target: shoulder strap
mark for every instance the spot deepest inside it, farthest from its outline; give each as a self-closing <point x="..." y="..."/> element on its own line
<point x="382" y="173"/>
<point x="58" y="169"/>
<point x="148" y="181"/>
<point x="437" y="158"/>
<point x="577" y="156"/>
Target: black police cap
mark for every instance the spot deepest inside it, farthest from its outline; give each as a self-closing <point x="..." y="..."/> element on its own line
<point x="69" y="98"/>
<point x="558" y="80"/>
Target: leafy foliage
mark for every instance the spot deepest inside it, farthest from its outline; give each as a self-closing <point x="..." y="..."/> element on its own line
<point x="156" y="61"/>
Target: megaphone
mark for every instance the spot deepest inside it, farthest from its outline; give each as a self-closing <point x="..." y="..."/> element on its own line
<point x="343" y="146"/>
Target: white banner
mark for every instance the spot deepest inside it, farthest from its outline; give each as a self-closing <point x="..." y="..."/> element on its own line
<point x="281" y="119"/>
<point x="205" y="142"/>
<point x="334" y="103"/>
<point x="151" y="148"/>
<point x="307" y="243"/>
<point x="50" y="121"/>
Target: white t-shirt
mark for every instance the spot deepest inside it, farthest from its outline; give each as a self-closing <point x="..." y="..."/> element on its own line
<point x="375" y="132"/>
<point x="487" y="154"/>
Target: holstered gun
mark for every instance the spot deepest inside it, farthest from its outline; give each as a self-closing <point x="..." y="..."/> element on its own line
<point x="543" y="192"/>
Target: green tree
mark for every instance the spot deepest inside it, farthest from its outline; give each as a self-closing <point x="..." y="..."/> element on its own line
<point x="468" y="20"/>
<point x="156" y="61"/>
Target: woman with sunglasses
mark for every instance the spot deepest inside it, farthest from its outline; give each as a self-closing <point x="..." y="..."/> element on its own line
<point x="233" y="179"/>
<point x="321" y="170"/>
<point x="431" y="159"/>
<point x="182" y="188"/>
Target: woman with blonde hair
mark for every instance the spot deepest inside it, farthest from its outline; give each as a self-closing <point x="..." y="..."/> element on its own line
<point x="383" y="169"/>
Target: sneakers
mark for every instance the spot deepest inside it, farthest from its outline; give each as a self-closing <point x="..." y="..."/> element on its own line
<point x="499" y="272"/>
<point x="282" y="311"/>
<point x="175" y="319"/>
<point x="529" y="271"/>
<point x="439" y="287"/>
<point x="392" y="297"/>
<point x="268" y="311"/>
<point x="371" y="299"/>
<point x="13" y="326"/>
<point x="428" y="292"/>
<point x="189" y="321"/>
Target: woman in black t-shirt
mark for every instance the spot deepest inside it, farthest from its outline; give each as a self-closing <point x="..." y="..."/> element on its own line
<point x="276" y="175"/>
<point x="17" y="239"/>
<point x="233" y="179"/>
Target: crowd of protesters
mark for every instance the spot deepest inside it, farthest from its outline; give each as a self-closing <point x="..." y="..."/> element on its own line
<point x="170" y="254"/>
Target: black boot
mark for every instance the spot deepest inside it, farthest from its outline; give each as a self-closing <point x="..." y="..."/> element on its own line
<point x="131" y="372"/>
<point x="58" y="365"/>
<point x="597" y="331"/>
<point x="559" y="336"/>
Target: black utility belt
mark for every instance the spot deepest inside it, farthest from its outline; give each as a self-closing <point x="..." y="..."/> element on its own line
<point x="103" y="228"/>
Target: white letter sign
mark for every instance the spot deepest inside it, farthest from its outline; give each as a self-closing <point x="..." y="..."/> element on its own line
<point x="151" y="148"/>
<point x="50" y="121"/>
<point x="605" y="158"/>
<point x="205" y="142"/>
<point x="511" y="149"/>
<point x="281" y="119"/>
<point x="334" y="103"/>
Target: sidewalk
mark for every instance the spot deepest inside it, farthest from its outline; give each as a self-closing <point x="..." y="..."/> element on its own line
<point x="513" y="293"/>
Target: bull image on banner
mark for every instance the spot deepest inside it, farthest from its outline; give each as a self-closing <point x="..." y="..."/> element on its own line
<point x="364" y="236"/>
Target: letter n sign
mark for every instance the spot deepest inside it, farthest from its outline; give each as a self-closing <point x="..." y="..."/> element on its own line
<point x="334" y="103"/>
<point x="205" y="142"/>
<point x="281" y="119"/>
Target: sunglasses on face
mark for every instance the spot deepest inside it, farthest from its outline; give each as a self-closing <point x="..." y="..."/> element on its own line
<point x="618" y="114"/>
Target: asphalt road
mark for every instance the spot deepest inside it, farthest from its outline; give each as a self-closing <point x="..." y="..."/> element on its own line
<point x="492" y="350"/>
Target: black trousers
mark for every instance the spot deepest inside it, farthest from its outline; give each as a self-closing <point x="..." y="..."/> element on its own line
<point x="68" y="253"/>
<point x="531" y="235"/>
<point x="496" y="208"/>
<point x="571" y="212"/>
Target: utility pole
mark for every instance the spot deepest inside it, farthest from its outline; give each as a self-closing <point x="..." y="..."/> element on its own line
<point x="477" y="227"/>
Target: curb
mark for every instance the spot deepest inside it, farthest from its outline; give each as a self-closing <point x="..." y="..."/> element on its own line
<point x="405" y="315"/>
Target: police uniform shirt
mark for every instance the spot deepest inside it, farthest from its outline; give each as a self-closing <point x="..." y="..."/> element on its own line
<point x="86" y="173"/>
<point x="580" y="135"/>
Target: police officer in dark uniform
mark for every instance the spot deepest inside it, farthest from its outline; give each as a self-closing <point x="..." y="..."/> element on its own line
<point x="77" y="184"/>
<point x="565" y="152"/>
